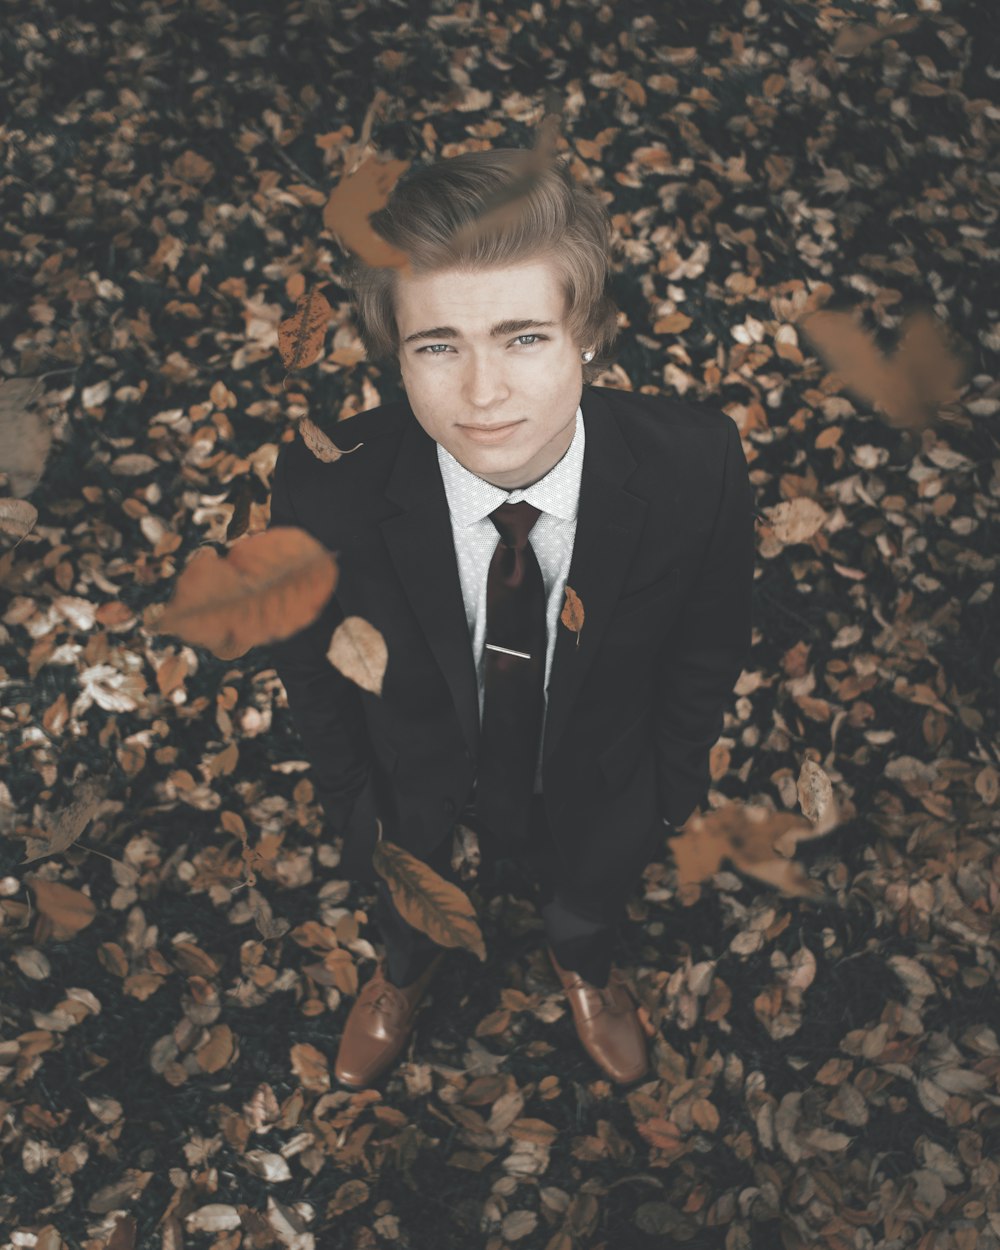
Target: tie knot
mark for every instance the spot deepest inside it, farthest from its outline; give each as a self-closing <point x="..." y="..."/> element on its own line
<point x="514" y="522"/>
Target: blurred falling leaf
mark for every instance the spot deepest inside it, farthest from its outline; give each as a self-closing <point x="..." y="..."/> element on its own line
<point x="426" y="900"/>
<point x="754" y="839"/>
<point x="359" y="651"/>
<point x="909" y="385"/>
<point x="269" y="586"/>
<point x="503" y="208"/>
<point x="25" y="435"/>
<point x="353" y="201"/>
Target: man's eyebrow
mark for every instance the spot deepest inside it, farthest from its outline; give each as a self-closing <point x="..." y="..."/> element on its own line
<point x="500" y="330"/>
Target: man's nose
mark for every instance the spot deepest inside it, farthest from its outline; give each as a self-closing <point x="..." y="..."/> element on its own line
<point x="485" y="378"/>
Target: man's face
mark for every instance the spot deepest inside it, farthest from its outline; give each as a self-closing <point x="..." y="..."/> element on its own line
<point x="457" y="374"/>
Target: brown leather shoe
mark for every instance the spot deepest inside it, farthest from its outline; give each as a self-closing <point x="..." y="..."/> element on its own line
<point x="378" y="1025"/>
<point x="606" y="1023"/>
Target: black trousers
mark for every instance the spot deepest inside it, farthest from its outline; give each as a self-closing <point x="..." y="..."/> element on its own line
<point x="579" y="944"/>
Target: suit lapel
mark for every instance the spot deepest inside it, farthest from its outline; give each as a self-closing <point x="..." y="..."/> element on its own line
<point x="421" y="546"/>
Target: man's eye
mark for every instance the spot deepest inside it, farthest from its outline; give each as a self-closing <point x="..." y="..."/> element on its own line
<point x="430" y="347"/>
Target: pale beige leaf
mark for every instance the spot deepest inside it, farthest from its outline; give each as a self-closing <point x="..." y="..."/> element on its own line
<point x="266" y="1164"/>
<point x="17" y="517"/>
<point x="816" y="796"/>
<point x="358" y="650"/>
<point x="25" y="436"/>
<point x="913" y="975"/>
<point x="132" y="464"/>
<point x="214" y="1217"/>
<point x="795" y="520"/>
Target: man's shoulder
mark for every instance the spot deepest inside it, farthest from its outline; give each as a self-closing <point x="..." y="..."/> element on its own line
<point x="658" y="416"/>
<point x="654" y="410"/>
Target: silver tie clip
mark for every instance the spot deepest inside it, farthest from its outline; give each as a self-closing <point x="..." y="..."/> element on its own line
<point x="492" y="646"/>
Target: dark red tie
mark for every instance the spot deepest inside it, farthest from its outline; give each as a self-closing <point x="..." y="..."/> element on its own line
<point x="514" y="677"/>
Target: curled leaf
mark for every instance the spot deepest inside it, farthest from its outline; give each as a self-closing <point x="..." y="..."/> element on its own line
<point x="321" y="446"/>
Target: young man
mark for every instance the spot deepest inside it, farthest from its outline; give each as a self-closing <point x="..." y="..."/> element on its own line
<point x="500" y="490"/>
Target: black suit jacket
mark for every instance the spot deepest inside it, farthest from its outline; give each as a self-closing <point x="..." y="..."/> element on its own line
<point x="663" y="563"/>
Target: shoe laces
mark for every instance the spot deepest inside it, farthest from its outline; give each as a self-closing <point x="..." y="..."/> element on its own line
<point x="385" y="998"/>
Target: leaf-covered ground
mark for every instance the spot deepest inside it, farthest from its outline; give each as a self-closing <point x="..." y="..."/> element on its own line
<point x="826" y="1069"/>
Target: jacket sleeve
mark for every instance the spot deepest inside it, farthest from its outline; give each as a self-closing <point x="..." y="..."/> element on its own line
<point x="704" y="655"/>
<point x="325" y="706"/>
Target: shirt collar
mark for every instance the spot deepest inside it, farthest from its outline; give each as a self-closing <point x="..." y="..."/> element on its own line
<point x="471" y="498"/>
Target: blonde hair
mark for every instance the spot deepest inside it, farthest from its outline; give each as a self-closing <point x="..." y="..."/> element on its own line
<point x="431" y="215"/>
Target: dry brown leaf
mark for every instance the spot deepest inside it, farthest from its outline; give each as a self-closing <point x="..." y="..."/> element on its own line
<point x="358" y="650"/>
<point x="268" y="587"/>
<point x="855" y="37"/>
<point x="572" y="613"/>
<point x="267" y="925"/>
<point x="218" y="1050"/>
<point x="427" y="901"/>
<point x="67" y="910"/>
<point x="67" y="824"/>
<point x="301" y="336"/>
<point x="17" y="517"/>
<point x="348" y="1195"/>
<point x="311" y="1067"/>
<point x="321" y="446"/>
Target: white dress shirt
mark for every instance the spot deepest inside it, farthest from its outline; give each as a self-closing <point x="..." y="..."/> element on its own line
<point x="471" y="499"/>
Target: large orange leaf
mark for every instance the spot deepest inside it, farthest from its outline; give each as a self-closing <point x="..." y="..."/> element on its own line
<point x="268" y="586"/>
<point x="753" y="839"/>
<point x="352" y="202"/>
